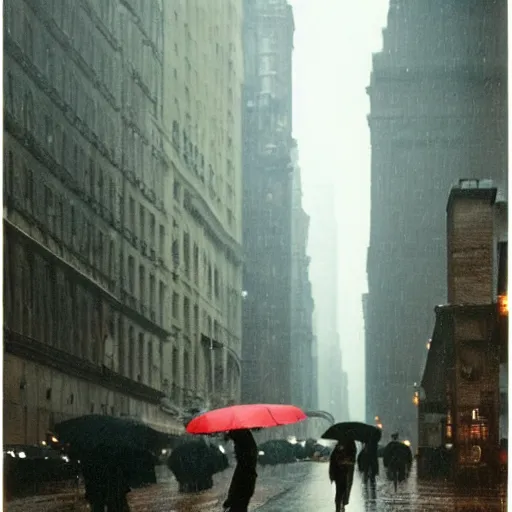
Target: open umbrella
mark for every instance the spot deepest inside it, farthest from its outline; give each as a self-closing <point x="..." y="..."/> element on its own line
<point x="353" y="430"/>
<point x="237" y="417"/>
<point x="96" y="432"/>
<point x="397" y="451"/>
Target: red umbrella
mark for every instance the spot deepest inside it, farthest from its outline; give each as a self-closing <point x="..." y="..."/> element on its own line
<point x="248" y="416"/>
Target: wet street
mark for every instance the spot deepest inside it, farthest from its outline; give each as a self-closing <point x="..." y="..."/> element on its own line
<point x="301" y="487"/>
<point x="316" y="493"/>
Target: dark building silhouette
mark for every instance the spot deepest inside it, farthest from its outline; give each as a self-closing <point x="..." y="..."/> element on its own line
<point x="438" y="96"/>
<point x="267" y="202"/>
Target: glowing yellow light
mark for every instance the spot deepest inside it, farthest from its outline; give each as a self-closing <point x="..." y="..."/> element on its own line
<point x="503" y="305"/>
<point x="407" y="442"/>
<point x="379" y="425"/>
<point x="416" y="398"/>
<point x="54" y="440"/>
<point x="377" y="418"/>
<point x="428" y="345"/>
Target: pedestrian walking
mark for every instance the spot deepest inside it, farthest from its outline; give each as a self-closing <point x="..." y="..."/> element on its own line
<point x="244" y="478"/>
<point x="341" y="471"/>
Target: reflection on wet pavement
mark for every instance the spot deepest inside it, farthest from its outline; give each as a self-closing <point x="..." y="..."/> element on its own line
<point x="317" y="494"/>
<point x="301" y="487"/>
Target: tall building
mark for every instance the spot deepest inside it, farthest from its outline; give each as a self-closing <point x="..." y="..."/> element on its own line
<point x="267" y="201"/>
<point x="203" y="74"/>
<point x="94" y="304"/>
<point x="438" y="113"/>
<point x="303" y="384"/>
<point x="324" y="276"/>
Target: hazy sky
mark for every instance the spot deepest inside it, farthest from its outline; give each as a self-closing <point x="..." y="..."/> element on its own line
<point x="334" y="41"/>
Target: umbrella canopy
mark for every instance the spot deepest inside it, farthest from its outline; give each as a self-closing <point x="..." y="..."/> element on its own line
<point x="250" y="416"/>
<point x="397" y="451"/>
<point x="353" y="430"/>
<point x="110" y="434"/>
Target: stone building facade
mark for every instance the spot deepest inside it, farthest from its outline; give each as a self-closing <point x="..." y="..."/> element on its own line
<point x="203" y="73"/>
<point x="267" y="201"/>
<point x="438" y="113"/>
<point x="92" y="243"/>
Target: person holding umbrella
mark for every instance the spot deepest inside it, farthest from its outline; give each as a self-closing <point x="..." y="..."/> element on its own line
<point x="238" y="421"/>
<point x="244" y="478"/>
<point x="341" y="471"/>
<point x="364" y="433"/>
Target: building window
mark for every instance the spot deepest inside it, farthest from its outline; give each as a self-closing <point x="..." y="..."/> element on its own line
<point x="131" y="352"/>
<point x="216" y="286"/>
<point x="73" y="222"/>
<point x="142" y="285"/>
<point x="161" y="302"/>
<point x="111" y="260"/>
<point x="175" y="305"/>
<point x="186" y="314"/>
<point x="209" y="280"/>
<point x="152" y="295"/>
<point x="10" y="93"/>
<point x="131" y="275"/>
<point x="112" y="197"/>
<point x="196" y="319"/>
<point x="9" y="175"/>
<point x="140" y="374"/>
<point x="152" y="228"/>
<point x="150" y="362"/>
<point x="186" y="253"/>
<point x="175" y="253"/>
<point x="28" y="39"/>
<point x="142" y="224"/>
<point x="162" y="240"/>
<point x="48" y="203"/>
<point x="28" y="111"/>
<point x="29" y="184"/>
<point x="131" y="214"/>
<point x="101" y="193"/>
<point x="196" y="263"/>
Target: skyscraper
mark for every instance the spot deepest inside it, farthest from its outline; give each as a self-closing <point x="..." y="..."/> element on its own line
<point x="438" y="113"/>
<point x="267" y="205"/>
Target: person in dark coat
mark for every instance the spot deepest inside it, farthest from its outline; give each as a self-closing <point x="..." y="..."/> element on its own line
<point x="368" y="462"/>
<point x="244" y="478"/>
<point x="105" y="483"/>
<point x="341" y="471"/>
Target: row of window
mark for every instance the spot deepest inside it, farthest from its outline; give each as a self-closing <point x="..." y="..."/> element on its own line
<point x="19" y="102"/>
<point x="195" y="161"/>
<point x="66" y="221"/>
<point x="144" y="161"/>
<point x="41" y="301"/>
<point x="146" y="291"/>
<point x="81" y="169"/>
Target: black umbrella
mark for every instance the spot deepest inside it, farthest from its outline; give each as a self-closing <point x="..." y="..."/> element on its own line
<point x="353" y="430"/>
<point x="397" y="451"/>
<point x="110" y="434"/>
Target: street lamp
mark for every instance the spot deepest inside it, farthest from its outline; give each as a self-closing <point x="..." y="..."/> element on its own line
<point x="503" y="305"/>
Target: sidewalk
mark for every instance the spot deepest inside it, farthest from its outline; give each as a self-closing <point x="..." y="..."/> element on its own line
<point x="272" y="482"/>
